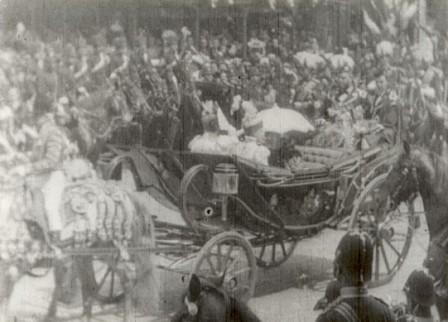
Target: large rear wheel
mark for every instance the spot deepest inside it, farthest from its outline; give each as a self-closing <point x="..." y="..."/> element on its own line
<point x="390" y="230"/>
<point x="200" y="208"/>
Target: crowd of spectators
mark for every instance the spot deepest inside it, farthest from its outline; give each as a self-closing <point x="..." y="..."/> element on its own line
<point x="373" y="86"/>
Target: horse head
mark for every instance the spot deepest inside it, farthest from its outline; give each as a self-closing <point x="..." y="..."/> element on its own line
<point x="209" y="302"/>
<point x="408" y="173"/>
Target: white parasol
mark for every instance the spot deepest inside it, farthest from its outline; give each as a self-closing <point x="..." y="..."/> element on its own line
<point x="284" y="120"/>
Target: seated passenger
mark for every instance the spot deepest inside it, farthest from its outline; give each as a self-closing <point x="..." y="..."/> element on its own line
<point x="212" y="141"/>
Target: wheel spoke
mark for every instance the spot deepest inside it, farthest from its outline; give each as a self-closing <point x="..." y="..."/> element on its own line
<point x="400" y="234"/>
<point x="219" y="259"/>
<point x="112" y="283"/>
<point x="241" y="271"/>
<point x="198" y="192"/>
<point x="263" y="248"/>
<point x="282" y="244"/>
<point x="386" y="261"/>
<point x="211" y="265"/>
<point x="103" y="279"/>
<point x="393" y="248"/>
<point x="228" y="254"/>
<point x="377" y="261"/>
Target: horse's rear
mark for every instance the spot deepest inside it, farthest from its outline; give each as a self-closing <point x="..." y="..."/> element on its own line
<point x="96" y="213"/>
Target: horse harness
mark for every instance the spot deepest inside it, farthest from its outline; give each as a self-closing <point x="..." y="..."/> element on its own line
<point x="440" y="242"/>
<point x="403" y="180"/>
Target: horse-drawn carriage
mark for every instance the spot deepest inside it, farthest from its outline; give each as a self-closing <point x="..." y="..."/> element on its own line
<point x="236" y="214"/>
<point x="229" y="203"/>
<point x="266" y="210"/>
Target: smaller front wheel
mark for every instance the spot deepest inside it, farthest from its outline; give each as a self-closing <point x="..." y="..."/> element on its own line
<point x="227" y="260"/>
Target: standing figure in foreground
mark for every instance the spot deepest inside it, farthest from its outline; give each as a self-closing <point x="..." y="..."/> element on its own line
<point x="420" y="297"/>
<point x="353" y="268"/>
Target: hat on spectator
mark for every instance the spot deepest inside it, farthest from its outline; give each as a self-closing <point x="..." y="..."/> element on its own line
<point x="6" y="113"/>
<point x="420" y="287"/>
<point x="256" y="44"/>
<point x="169" y="37"/>
<point x="355" y="255"/>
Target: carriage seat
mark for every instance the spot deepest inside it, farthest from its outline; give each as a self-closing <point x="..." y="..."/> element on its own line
<point x="320" y="156"/>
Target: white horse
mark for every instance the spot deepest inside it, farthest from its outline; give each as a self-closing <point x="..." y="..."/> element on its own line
<point x="96" y="214"/>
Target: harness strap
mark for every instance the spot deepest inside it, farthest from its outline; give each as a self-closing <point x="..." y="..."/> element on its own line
<point x="347" y="312"/>
<point x="441" y="239"/>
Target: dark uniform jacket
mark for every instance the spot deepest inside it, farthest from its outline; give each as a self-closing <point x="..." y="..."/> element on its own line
<point x="355" y="305"/>
<point x="388" y="115"/>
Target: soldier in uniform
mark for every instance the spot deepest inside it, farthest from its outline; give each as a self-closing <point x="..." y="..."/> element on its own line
<point x="50" y="151"/>
<point x="420" y="296"/>
<point x="353" y="268"/>
<point x="385" y="108"/>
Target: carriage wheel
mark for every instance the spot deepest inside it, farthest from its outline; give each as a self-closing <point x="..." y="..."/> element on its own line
<point x="109" y="287"/>
<point x="124" y="171"/>
<point x="199" y="207"/>
<point x="274" y="250"/>
<point x="228" y="257"/>
<point x="391" y="230"/>
<point x="358" y="185"/>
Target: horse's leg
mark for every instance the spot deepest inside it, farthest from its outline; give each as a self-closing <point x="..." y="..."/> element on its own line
<point x="6" y="288"/>
<point x="127" y="279"/>
<point x="86" y="275"/>
<point x="58" y="274"/>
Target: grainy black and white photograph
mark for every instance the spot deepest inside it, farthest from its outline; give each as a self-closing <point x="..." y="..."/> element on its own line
<point x="223" y="160"/>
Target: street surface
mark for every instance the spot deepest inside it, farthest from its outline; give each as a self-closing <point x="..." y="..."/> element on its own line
<point x="31" y="296"/>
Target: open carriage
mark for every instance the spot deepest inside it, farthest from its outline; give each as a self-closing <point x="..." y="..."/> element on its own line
<point x="231" y="205"/>
<point x="265" y="210"/>
<point x="239" y="215"/>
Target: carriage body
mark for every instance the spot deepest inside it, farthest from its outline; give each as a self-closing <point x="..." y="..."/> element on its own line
<point x="273" y="208"/>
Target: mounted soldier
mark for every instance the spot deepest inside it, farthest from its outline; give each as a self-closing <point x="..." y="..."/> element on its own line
<point x="52" y="149"/>
<point x="353" y="268"/>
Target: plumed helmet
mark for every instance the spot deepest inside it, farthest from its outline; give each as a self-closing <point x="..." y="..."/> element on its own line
<point x="355" y="255"/>
<point x="169" y="37"/>
<point x="428" y="92"/>
<point x="420" y="287"/>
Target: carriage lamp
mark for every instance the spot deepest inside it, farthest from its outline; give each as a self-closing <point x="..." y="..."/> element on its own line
<point x="225" y="184"/>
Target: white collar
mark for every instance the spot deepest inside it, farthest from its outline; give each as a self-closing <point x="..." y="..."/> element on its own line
<point x="351" y="292"/>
